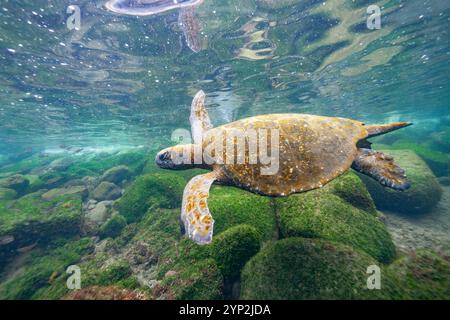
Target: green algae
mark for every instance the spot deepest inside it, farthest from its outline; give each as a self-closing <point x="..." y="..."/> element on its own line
<point x="322" y="214"/>
<point x="153" y="190"/>
<point x="234" y="247"/>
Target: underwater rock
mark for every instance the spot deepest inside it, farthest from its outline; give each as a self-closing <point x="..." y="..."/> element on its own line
<point x="117" y="175"/>
<point x="106" y="191"/>
<point x="438" y="162"/>
<point x="113" y="227"/>
<point x="77" y="190"/>
<point x="31" y="219"/>
<point x="163" y="190"/>
<point x="442" y="139"/>
<point x="43" y="272"/>
<point x="5" y="175"/>
<point x="140" y="255"/>
<point x="60" y="164"/>
<point x="90" y="182"/>
<point x="52" y="181"/>
<point x="7" y="194"/>
<point x="234" y="247"/>
<point x="90" y="204"/>
<point x="155" y="245"/>
<point x="16" y="182"/>
<point x="171" y="273"/>
<point x="199" y="280"/>
<point x="350" y="188"/>
<point x="20" y="156"/>
<point x="304" y="269"/>
<point x="103" y="270"/>
<point x="422" y="275"/>
<point x="445" y="181"/>
<point x="321" y="213"/>
<point x="6" y="240"/>
<point x="298" y="268"/>
<point x="112" y="273"/>
<point x="106" y="293"/>
<point x="35" y="183"/>
<point x="98" y="214"/>
<point x="75" y="183"/>
<point x="95" y="165"/>
<point x="422" y="197"/>
<point x="232" y="206"/>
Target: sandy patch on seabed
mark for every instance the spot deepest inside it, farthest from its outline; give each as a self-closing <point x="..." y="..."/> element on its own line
<point x="429" y="231"/>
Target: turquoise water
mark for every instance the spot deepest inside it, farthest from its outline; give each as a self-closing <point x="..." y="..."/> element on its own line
<point x="113" y="91"/>
<point x="126" y="80"/>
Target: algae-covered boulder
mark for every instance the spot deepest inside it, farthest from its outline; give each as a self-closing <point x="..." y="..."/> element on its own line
<point x="232" y="206"/>
<point x="438" y="162"/>
<point x="102" y="270"/>
<point x="445" y="181"/>
<point x="113" y="227"/>
<point x="53" y="180"/>
<point x="97" y="164"/>
<point x="164" y="190"/>
<point x="442" y="139"/>
<point x="198" y="280"/>
<point x="31" y="219"/>
<point x="234" y="247"/>
<point x="60" y="164"/>
<point x="422" y="197"/>
<point x="350" y="188"/>
<point x="422" y="275"/>
<point x="322" y="214"/>
<point x="175" y="267"/>
<point x="106" y="191"/>
<point x="302" y="269"/>
<point x="97" y="214"/>
<point x="76" y="190"/>
<point x="36" y="183"/>
<point x="42" y="267"/>
<point x="7" y="194"/>
<point x="16" y="182"/>
<point x="107" y="293"/>
<point x="117" y="174"/>
<point x="115" y="272"/>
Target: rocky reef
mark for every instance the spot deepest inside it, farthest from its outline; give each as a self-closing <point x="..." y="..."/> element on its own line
<point x="342" y="212"/>
<point x="299" y="268"/>
<point x="117" y="218"/>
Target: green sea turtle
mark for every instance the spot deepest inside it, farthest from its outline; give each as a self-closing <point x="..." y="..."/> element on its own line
<point x="308" y="151"/>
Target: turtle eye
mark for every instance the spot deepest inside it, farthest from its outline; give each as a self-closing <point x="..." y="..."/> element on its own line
<point x="164" y="157"/>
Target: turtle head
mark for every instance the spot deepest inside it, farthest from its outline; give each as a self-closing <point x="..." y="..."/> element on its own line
<point x="180" y="157"/>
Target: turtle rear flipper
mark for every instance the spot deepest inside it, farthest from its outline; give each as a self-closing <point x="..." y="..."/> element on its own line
<point x="375" y="130"/>
<point x="382" y="168"/>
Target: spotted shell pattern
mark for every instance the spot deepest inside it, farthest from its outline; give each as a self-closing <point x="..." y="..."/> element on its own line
<point x="313" y="150"/>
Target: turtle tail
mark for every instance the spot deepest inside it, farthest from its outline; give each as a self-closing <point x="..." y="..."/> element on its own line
<point x="377" y="130"/>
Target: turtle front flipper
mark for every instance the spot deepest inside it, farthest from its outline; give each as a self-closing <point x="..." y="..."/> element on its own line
<point x="199" y="118"/>
<point x="382" y="168"/>
<point x="195" y="214"/>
